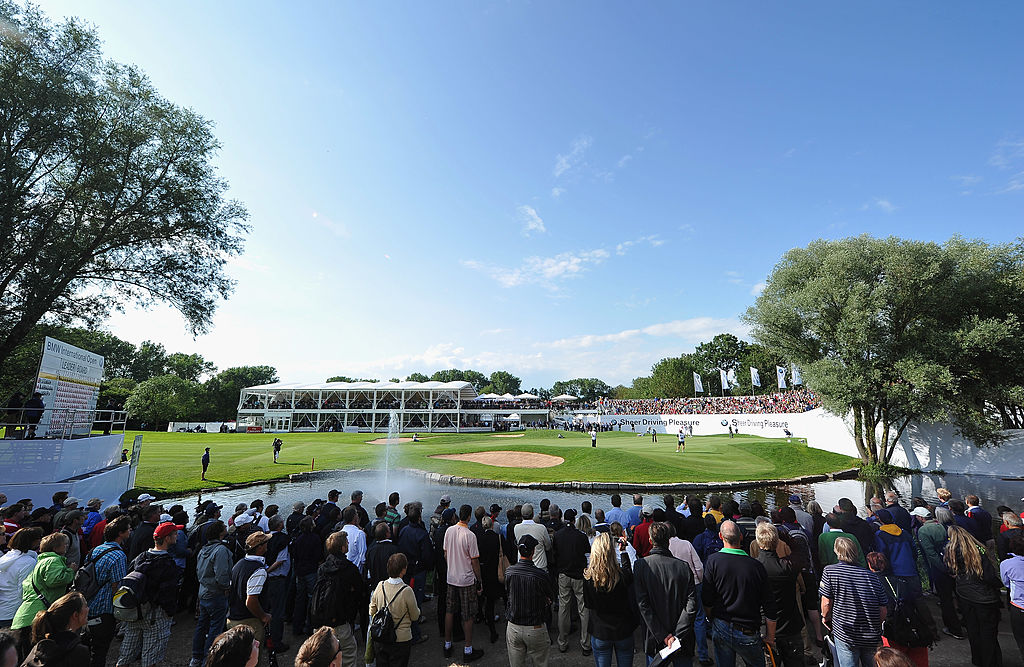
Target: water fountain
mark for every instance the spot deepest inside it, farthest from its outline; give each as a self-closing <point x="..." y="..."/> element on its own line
<point x="394" y="428"/>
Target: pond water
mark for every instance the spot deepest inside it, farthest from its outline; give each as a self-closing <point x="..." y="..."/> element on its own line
<point x="993" y="491"/>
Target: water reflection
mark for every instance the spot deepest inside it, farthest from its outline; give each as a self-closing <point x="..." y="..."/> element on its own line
<point x="992" y="490"/>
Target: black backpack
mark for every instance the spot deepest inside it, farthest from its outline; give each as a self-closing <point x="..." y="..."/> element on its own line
<point x="382" y="625"/>
<point x="905" y="625"/>
<point x="324" y="601"/>
<point x="86" y="582"/>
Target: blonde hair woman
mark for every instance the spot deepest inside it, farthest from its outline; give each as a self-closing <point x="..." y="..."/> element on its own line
<point x="977" y="589"/>
<point x="55" y="634"/>
<point x="606" y="593"/>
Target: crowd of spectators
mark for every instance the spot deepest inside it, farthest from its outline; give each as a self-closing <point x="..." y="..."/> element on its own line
<point x="795" y="400"/>
<point x="643" y="578"/>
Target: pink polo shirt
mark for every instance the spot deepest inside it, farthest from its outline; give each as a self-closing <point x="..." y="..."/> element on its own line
<point x="460" y="548"/>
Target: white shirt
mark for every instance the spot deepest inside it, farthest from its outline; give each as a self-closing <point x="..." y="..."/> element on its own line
<point x="356" y="545"/>
<point x="685" y="552"/>
<point x="15" y="567"/>
<point x="285" y="567"/>
<point x="254" y="586"/>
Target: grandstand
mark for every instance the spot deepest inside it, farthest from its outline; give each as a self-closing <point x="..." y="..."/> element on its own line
<point x="445" y="407"/>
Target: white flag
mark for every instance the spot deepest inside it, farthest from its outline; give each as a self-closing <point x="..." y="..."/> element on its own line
<point x="755" y="379"/>
<point x="796" y="375"/>
<point x="781" y="373"/>
<point x="697" y="384"/>
<point x="725" y="379"/>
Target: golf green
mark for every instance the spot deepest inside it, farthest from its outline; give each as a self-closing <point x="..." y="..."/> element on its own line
<point x="170" y="462"/>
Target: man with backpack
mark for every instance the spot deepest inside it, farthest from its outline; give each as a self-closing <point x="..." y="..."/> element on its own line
<point x="153" y="582"/>
<point x="414" y="542"/>
<point x="109" y="565"/>
<point x="339" y="595"/>
<point x="213" y="567"/>
<point x="248" y="577"/>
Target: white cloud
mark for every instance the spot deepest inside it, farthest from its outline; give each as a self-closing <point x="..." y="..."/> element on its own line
<point x="652" y="240"/>
<point x="1015" y="184"/>
<point x="493" y="332"/>
<point x="966" y="181"/>
<point x="790" y="153"/>
<point x="531" y="221"/>
<point x="544" y="271"/>
<point x="339" y="229"/>
<point x="734" y="277"/>
<point x="881" y="204"/>
<point x="1007" y="153"/>
<point x="693" y="330"/>
<point x="557" y="192"/>
<point x="757" y="289"/>
<point x="624" y="160"/>
<point x="687" y="228"/>
<point x="577" y="151"/>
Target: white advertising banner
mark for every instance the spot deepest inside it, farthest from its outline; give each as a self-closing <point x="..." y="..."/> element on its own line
<point x="69" y="381"/>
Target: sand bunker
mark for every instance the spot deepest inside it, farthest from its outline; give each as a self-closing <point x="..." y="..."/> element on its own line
<point x="509" y="435"/>
<point x="506" y="459"/>
<point x="384" y="441"/>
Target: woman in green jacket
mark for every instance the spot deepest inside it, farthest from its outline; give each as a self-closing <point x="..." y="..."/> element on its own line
<point x="49" y="580"/>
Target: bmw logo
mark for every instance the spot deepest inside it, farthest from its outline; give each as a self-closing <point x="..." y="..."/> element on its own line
<point x="725" y="422"/>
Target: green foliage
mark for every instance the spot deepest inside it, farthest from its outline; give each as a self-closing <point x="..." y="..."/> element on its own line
<point x="163" y="399"/>
<point x="503" y="382"/>
<point x="345" y="378"/>
<point x="117" y="390"/>
<point x="189" y="367"/>
<point x="475" y="378"/>
<point x="417" y="377"/>
<point x="109" y="196"/>
<point x="897" y="331"/>
<point x="589" y="389"/>
<point x="221" y="392"/>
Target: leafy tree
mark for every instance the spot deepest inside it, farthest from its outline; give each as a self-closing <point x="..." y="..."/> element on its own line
<point x="108" y="193"/>
<point x="503" y="382"/>
<point x="189" y="367"/>
<point x="163" y="399"/>
<point x="672" y="377"/>
<point x="150" y="361"/>
<point x="116" y="389"/>
<point x="221" y="392"/>
<point x="475" y="378"/>
<point x="724" y="351"/>
<point x="417" y="377"/>
<point x="345" y="378"/>
<point x="18" y="372"/>
<point x="895" y="331"/>
<point x="544" y="394"/>
<point x="589" y="389"/>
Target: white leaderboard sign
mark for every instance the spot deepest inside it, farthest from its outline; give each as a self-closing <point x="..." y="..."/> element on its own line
<point x="69" y="380"/>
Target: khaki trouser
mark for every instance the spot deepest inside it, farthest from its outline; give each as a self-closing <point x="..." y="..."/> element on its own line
<point x="526" y="640"/>
<point x="254" y="623"/>
<point x="566" y="587"/>
<point x="347" y="643"/>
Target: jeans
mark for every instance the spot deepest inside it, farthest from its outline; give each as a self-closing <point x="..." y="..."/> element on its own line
<point x="276" y="592"/>
<point x="303" y="590"/>
<point x="102" y="634"/>
<point x="943" y="585"/>
<point x="855" y="656"/>
<point x="731" y="642"/>
<point x="789" y="651"/>
<point x="603" y="649"/>
<point x="677" y="660"/>
<point x="981" y="621"/>
<point x="700" y="629"/>
<point x="418" y="585"/>
<point x="1017" y="625"/>
<point x="392" y="655"/>
<point x="213" y="612"/>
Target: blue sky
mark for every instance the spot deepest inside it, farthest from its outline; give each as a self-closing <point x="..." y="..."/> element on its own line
<point x="564" y="189"/>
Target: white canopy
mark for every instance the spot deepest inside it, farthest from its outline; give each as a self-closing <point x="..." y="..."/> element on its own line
<point x="564" y="397"/>
<point x="487" y="397"/>
<point x="507" y="397"/>
<point x="527" y="396"/>
<point x="514" y="417"/>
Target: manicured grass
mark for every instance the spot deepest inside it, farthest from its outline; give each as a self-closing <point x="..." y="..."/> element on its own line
<point x="170" y="462"/>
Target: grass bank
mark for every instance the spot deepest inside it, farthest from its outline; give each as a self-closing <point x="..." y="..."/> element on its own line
<point x="170" y="462"/>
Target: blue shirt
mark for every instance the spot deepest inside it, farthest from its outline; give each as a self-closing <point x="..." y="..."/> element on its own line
<point x="1011" y="571"/>
<point x="111" y="568"/>
<point x="616" y="515"/>
<point x="633" y="516"/>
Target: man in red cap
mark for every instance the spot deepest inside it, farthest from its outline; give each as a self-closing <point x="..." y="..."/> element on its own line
<point x="147" y="638"/>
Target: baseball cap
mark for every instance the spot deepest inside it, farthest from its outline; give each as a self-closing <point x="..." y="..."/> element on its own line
<point x="299" y="506"/>
<point x="241" y="507"/>
<point x="794" y="498"/>
<point x="447" y="514"/>
<point x="164" y="518"/>
<point x="71" y="502"/>
<point x="445" y="499"/>
<point x="921" y="512"/>
<point x="145" y="496"/>
<point x="255" y="540"/>
<point x="94" y="503"/>
<point x="527" y="543"/>
<point x="243" y="519"/>
<point x="648" y="510"/>
<point x="213" y="508"/>
<point x="885" y="516"/>
<point x="495" y="508"/>
<point x="165" y="529"/>
<point x="569" y="516"/>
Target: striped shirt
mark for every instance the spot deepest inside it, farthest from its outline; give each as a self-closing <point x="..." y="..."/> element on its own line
<point x="529" y="593"/>
<point x="857" y="595"/>
<point x="111" y="568"/>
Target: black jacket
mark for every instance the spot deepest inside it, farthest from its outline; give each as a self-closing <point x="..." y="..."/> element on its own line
<point x="353" y="598"/>
<point x="162" y="576"/>
<point x="377" y="561"/>
<point x="141" y="540"/>
<point x="667" y="599"/>
<point x="862" y="530"/>
<point x="415" y="543"/>
<point x="613" y="614"/>
<point x="569" y="552"/>
<point x="63" y="649"/>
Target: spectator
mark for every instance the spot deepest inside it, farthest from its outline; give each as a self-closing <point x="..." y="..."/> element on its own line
<point x="321" y="649"/>
<point x="378" y="555"/>
<point x="111" y="567"/>
<point x="55" y="634"/>
<point x="356" y="537"/>
<point x="147" y="638"/>
<point x="977" y="587"/>
<point x="709" y="541"/>
<point x="616" y="514"/>
<point x="898" y="593"/>
<point x="305" y="551"/>
<point x="1011" y="571"/>
<point x="1011" y="528"/>
<point x="400" y="601"/>
<point x="350" y="594"/>
<point x="607" y="595"/>
<point x="569" y="550"/>
<point x="142" y="536"/>
<point x="8" y="649"/>
<point x="888" y="657"/>
<point x="15" y="566"/>
<point x="529" y="601"/>
<point x="49" y="580"/>
<point x="414" y="542"/>
<point x="827" y="539"/>
<point x="667" y="598"/>
<point x="853" y="604"/>
<point x="489" y="546"/>
<point x="641" y="531"/>
<point x="237" y="647"/>
<point x="528" y="527"/>
<point x="782" y="581"/>
<point x="213" y="568"/>
<point x="248" y="579"/>
<point x="464" y="582"/>
<point x="932" y="538"/>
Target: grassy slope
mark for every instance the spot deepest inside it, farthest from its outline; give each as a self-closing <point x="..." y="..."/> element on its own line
<point x="170" y="461"/>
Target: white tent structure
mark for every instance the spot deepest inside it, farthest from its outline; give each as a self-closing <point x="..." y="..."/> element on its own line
<point x="564" y="398"/>
<point x="527" y="397"/>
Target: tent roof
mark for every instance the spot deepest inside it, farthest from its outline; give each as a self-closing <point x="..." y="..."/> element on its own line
<point x="564" y="397"/>
<point x="527" y="396"/>
<point x="465" y="389"/>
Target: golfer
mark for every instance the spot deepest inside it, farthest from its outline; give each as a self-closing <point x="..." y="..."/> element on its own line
<point x="277" y="448"/>
<point x="654" y="435"/>
<point x="206" y="462"/>
<point x="681" y="441"/>
<point x="593" y="437"/>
